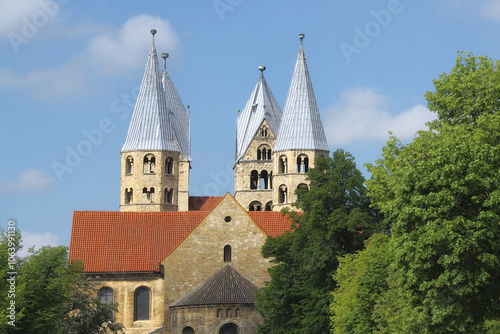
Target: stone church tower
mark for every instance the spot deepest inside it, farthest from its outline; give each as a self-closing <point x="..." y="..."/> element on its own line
<point x="156" y="154"/>
<point x="256" y="131"/>
<point x="273" y="150"/>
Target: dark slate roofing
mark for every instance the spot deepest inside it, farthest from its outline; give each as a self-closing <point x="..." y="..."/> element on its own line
<point x="227" y="286"/>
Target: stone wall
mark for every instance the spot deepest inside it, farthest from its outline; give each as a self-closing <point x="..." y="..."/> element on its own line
<point x="124" y="287"/>
<point x="210" y="319"/>
<point x="202" y="252"/>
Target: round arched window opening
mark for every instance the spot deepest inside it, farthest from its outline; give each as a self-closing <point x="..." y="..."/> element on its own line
<point x="227" y="219"/>
<point x="188" y="330"/>
<point x="229" y="329"/>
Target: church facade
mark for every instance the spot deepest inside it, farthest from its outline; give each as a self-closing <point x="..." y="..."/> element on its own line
<point x="182" y="264"/>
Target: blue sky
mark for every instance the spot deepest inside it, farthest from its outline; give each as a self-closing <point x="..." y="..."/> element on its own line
<point x="70" y="70"/>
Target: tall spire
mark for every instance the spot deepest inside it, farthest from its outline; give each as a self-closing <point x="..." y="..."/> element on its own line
<point x="150" y="128"/>
<point x="301" y="127"/>
<point x="177" y="113"/>
<point x="261" y="105"/>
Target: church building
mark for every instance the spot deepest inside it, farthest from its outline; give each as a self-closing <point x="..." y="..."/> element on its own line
<point x="180" y="264"/>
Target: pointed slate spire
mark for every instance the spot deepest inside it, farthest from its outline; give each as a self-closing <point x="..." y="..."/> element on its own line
<point x="301" y="127"/>
<point x="149" y="128"/>
<point x="179" y="117"/>
<point x="261" y="105"/>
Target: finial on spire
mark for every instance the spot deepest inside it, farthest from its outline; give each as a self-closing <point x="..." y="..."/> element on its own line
<point x="153" y="32"/>
<point x="262" y="68"/>
<point x="301" y="37"/>
<point x="164" y="55"/>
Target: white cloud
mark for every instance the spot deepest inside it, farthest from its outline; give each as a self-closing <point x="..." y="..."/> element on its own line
<point x="362" y="115"/>
<point x="109" y="52"/>
<point x="12" y="14"/>
<point x="125" y="49"/>
<point x="31" y="180"/>
<point x="36" y="240"/>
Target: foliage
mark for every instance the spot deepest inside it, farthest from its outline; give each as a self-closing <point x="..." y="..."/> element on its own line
<point x="442" y="194"/>
<point x="471" y="89"/>
<point x="361" y="281"/>
<point x="52" y="295"/>
<point x="336" y="219"/>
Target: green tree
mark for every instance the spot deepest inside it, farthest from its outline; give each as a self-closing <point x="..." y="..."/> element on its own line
<point x="51" y="295"/>
<point x="441" y="194"/>
<point x="10" y="244"/>
<point x="361" y="281"/>
<point x="336" y="220"/>
<point x="471" y="89"/>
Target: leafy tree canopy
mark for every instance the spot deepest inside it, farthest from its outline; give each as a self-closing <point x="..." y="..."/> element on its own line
<point x="441" y="194"/>
<point x="471" y="89"/>
<point x="336" y="220"/>
<point x="361" y="280"/>
<point x="51" y="294"/>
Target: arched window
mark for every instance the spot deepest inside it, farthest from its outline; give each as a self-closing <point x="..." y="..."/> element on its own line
<point x="264" y="180"/>
<point x="149" y="194"/>
<point x="254" y="179"/>
<point x="264" y="153"/>
<point x="229" y="329"/>
<point x="129" y="193"/>
<point x="282" y="195"/>
<point x="255" y="206"/>
<point x="129" y="165"/>
<point x="141" y="303"/>
<point x="188" y="330"/>
<point x="269" y="206"/>
<point x="301" y="186"/>
<point x="169" y="166"/>
<point x="105" y="295"/>
<point x="283" y="168"/>
<point x="149" y="163"/>
<point x="302" y="163"/>
<point x="227" y="253"/>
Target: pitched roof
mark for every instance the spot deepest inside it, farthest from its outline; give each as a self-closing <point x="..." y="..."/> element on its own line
<point x="203" y="203"/>
<point x="273" y="223"/>
<point x="301" y="127"/>
<point x="109" y="241"/>
<point x="180" y="120"/>
<point x="261" y="105"/>
<point x="150" y="127"/>
<point x="227" y="286"/>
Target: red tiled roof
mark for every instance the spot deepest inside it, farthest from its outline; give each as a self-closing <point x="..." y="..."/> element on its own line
<point x="203" y="203"/>
<point x="128" y="241"/>
<point x="108" y="241"/>
<point x="273" y="223"/>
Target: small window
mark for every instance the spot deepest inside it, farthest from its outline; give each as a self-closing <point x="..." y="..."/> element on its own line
<point x="106" y="295"/>
<point x="169" y="166"/>
<point x="282" y="195"/>
<point x="149" y="164"/>
<point x="129" y="165"/>
<point x="227" y="253"/>
<point x="141" y="303"/>
<point x="128" y="195"/>
<point x="283" y="168"/>
<point x="254" y="179"/>
<point x="188" y="330"/>
<point x="227" y="219"/>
